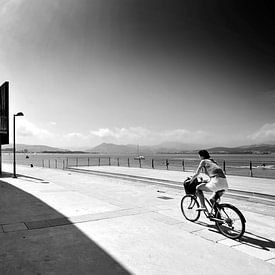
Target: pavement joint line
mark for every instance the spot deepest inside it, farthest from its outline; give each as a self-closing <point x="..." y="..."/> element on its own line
<point x="40" y="224"/>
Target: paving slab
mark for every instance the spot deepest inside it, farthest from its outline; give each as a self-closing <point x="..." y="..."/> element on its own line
<point x="130" y="230"/>
<point x="255" y="252"/>
<point x="14" y="227"/>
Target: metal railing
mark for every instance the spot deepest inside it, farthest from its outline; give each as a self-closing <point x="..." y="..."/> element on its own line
<point x="230" y="167"/>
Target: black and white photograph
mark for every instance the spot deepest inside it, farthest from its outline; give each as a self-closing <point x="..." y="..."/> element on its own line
<point x="137" y="137"/>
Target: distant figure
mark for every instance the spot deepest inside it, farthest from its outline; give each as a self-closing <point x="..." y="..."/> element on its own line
<point x="263" y="165"/>
<point x="27" y="157"/>
<point x="31" y="165"/>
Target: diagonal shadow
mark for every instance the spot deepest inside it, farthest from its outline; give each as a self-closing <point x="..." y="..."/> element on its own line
<point x="10" y="175"/>
<point x="254" y="240"/>
<point x="248" y="238"/>
<point x="55" y="247"/>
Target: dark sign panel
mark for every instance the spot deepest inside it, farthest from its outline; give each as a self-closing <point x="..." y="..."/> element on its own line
<point x="4" y="113"/>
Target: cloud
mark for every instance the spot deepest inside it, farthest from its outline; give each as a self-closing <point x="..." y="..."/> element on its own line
<point x="26" y="129"/>
<point x="9" y="6"/>
<point x="265" y="134"/>
<point x="145" y="136"/>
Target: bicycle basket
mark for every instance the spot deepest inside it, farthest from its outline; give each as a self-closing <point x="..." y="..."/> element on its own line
<point x="190" y="188"/>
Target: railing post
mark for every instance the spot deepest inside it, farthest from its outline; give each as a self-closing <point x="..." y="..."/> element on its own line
<point x="67" y="162"/>
<point x="183" y="167"/>
<point x="117" y="161"/>
<point x="224" y="167"/>
<point x="88" y="161"/>
<point x="250" y="168"/>
<point x="76" y="162"/>
<point x="128" y="162"/>
<point x="153" y="165"/>
<point x="109" y="161"/>
<point x="43" y="165"/>
<point x="55" y="164"/>
<point x="167" y="164"/>
<point x="98" y="161"/>
<point x="139" y="162"/>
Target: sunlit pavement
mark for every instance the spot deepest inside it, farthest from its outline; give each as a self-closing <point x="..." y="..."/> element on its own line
<point x="64" y="222"/>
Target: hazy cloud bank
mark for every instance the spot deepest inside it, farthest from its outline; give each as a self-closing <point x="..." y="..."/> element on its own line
<point x="29" y="133"/>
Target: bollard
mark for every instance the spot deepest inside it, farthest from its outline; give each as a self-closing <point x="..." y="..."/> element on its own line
<point x="224" y="167"/>
<point x="128" y="162"/>
<point x="139" y="162"/>
<point x="55" y="164"/>
<point x="49" y="163"/>
<point x="43" y="163"/>
<point x="109" y="161"/>
<point x="167" y="164"/>
<point x="76" y="162"/>
<point x="88" y="161"/>
<point x="63" y="164"/>
<point x="183" y="167"/>
<point x="153" y="165"/>
<point x="250" y="168"/>
<point x="98" y="161"/>
<point x="117" y="161"/>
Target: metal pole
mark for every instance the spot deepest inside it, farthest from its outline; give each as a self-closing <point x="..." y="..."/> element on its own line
<point x="224" y="167"/>
<point x="14" y="161"/>
<point x="183" y="167"/>
<point x="128" y="162"/>
<point x="109" y="161"/>
<point x="250" y="168"/>
<point x="153" y="166"/>
<point x="117" y="161"/>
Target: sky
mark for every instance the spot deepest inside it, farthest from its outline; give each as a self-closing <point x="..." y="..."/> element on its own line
<point x="142" y="72"/>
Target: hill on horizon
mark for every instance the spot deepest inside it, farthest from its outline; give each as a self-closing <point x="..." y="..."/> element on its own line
<point x="181" y="148"/>
<point x="32" y="148"/>
<point x="169" y="147"/>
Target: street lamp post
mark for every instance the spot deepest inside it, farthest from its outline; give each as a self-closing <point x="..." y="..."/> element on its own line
<point x="14" y="158"/>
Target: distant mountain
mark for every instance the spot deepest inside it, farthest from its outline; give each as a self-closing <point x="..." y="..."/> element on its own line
<point x="110" y="148"/>
<point x="171" y="147"/>
<point x="246" y="149"/>
<point x="176" y="147"/>
<point x="31" y="148"/>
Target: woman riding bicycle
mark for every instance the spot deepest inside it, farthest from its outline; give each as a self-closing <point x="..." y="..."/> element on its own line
<point x="217" y="177"/>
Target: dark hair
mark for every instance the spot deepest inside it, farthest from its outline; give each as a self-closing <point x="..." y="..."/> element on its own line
<point x="204" y="154"/>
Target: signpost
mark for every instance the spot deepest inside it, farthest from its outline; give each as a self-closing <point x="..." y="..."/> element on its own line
<point x="4" y="118"/>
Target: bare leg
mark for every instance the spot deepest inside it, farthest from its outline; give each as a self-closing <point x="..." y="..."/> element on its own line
<point x="200" y="188"/>
<point x="201" y="197"/>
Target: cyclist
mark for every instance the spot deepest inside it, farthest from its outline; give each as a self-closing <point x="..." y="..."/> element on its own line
<point x="217" y="177"/>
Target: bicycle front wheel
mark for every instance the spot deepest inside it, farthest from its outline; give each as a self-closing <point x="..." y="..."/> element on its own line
<point x="232" y="221"/>
<point x="189" y="206"/>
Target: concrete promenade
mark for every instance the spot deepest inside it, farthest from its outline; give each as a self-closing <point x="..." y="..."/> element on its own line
<point x="65" y="222"/>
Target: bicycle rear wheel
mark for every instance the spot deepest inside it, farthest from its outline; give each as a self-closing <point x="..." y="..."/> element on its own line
<point x="189" y="205"/>
<point x="232" y="221"/>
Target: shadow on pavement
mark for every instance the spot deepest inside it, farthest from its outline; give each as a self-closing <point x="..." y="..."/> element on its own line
<point x="51" y="248"/>
<point x="248" y="238"/>
<point x="257" y="241"/>
<point x="10" y="175"/>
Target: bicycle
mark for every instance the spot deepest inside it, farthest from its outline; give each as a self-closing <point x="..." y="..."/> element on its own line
<point x="228" y="218"/>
